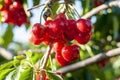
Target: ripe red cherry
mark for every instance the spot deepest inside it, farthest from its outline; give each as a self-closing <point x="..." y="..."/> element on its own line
<point x="57" y="46"/>
<point x="38" y="30"/>
<point x="70" y="53"/>
<point x="60" y="16"/>
<point x="98" y="2"/>
<point x="102" y="63"/>
<point x="17" y="5"/>
<point x="70" y="29"/>
<point x="84" y="25"/>
<point x="60" y="60"/>
<point x="83" y="38"/>
<point x="8" y="2"/>
<point x="33" y="39"/>
<point x="54" y="28"/>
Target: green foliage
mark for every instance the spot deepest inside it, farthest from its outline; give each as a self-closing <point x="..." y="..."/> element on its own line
<point x="8" y="36"/>
<point x="4" y="73"/>
<point x="105" y="36"/>
<point x="53" y="76"/>
<point x="27" y="74"/>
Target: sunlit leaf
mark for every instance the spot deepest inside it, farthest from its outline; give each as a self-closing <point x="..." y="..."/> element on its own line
<point x="53" y="76"/>
<point x="8" y="36"/>
<point x="27" y="74"/>
<point x="6" y="65"/>
<point x="4" y="72"/>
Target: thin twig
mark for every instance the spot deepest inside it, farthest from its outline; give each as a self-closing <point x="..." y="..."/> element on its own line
<point x="36" y="6"/>
<point x="46" y="57"/>
<point x="90" y="61"/>
<point x="47" y="2"/>
<point x="101" y="7"/>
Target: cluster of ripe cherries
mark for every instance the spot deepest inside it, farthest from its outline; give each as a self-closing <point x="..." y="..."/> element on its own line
<point x="60" y="32"/>
<point x="13" y="12"/>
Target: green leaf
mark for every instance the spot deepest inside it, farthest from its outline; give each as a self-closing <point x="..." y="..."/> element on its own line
<point x="14" y="75"/>
<point x="55" y="7"/>
<point x="53" y="76"/>
<point x="115" y="27"/>
<point x="8" y="36"/>
<point x="35" y="57"/>
<point x="29" y="54"/>
<point x="27" y="74"/>
<point x="36" y="2"/>
<point x="3" y="73"/>
<point x="6" y="65"/>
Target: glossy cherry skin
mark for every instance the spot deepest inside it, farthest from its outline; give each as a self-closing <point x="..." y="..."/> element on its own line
<point x="83" y="38"/>
<point x="60" y="16"/>
<point x="70" y="53"/>
<point x="84" y="25"/>
<point x="57" y="46"/>
<point x="60" y="60"/>
<point x="17" y="4"/>
<point x="38" y="30"/>
<point x="70" y="29"/>
<point x="8" y="2"/>
<point x="33" y="39"/>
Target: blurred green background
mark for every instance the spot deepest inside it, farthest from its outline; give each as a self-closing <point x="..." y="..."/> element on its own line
<point x="105" y="37"/>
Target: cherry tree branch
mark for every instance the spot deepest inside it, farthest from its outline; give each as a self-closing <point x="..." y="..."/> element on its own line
<point x="115" y="3"/>
<point x="46" y="57"/>
<point x="6" y="54"/>
<point x="46" y="3"/>
<point x="90" y="61"/>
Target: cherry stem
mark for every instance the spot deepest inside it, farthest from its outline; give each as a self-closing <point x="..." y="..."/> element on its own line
<point x="47" y="2"/>
<point x="36" y="6"/>
<point x="46" y="57"/>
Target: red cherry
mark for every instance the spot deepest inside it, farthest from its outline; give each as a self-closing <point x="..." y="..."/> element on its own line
<point x="33" y="39"/>
<point x="46" y="39"/>
<point x="83" y="38"/>
<point x="102" y="63"/>
<point x="60" y="16"/>
<point x="57" y="46"/>
<point x="17" y="4"/>
<point x="38" y="76"/>
<point x="8" y="2"/>
<point x="98" y="2"/>
<point x="70" y="53"/>
<point x="84" y="25"/>
<point x="45" y="77"/>
<point x="6" y="15"/>
<point x="70" y="29"/>
<point x="60" y="60"/>
<point x="54" y="28"/>
<point x="38" y="30"/>
<point x="59" y="73"/>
